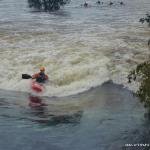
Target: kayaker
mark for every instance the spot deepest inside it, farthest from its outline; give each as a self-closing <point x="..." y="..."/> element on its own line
<point x="40" y="77"/>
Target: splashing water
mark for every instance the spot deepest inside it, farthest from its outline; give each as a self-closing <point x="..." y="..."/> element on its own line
<point x="80" y="48"/>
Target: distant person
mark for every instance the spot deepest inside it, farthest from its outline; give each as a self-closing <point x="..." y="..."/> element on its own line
<point x="40" y="77"/>
<point x="122" y="3"/>
<point x="85" y="4"/>
<point x="111" y="3"/>
<point x="98" y="2"/>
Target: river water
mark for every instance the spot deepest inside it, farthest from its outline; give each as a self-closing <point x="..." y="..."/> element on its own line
<point x="80" y="47"/>
<point x="104" y="118"/>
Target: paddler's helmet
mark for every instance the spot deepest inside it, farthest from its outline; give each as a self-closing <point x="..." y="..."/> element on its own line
<point x="42" y="68"/>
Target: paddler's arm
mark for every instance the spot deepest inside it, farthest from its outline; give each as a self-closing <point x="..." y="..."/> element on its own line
<point x="35" y="76"/>
<point x="46" y="77"/>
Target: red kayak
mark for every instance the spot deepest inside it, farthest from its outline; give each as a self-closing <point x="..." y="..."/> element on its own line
<point x="37" y="87"/>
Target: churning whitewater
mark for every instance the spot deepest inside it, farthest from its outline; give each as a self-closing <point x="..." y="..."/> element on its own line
<point x="80" y="47"/>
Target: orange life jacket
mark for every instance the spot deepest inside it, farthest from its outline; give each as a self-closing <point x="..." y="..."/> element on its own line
<point x="40" y="77"/>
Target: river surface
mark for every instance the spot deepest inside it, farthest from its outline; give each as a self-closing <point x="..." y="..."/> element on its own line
<point x="104" y="118"/>
<point x="80" y="47"/>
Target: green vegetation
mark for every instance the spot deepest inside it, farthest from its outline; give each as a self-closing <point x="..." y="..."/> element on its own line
<point x="47" y="5"/>
<point x="142" y="72"/>
<point x="146" y="19"/>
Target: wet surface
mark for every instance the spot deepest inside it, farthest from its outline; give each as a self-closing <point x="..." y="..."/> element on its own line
<point x="104" y="118"/>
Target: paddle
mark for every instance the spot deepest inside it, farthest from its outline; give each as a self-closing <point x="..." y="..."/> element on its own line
<point x="26" y="76"/>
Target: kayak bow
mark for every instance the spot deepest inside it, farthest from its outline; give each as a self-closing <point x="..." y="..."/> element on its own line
<point x="35" y="86"/>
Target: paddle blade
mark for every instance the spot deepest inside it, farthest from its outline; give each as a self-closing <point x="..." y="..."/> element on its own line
<point x="26" y="76"/>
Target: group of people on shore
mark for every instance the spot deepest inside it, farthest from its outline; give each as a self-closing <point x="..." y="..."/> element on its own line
<point x="101" y="3"/>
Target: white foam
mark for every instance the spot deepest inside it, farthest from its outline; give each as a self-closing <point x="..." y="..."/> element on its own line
<point x="79" y="51"/>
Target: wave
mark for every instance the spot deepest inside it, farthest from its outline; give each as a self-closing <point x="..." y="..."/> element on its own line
<point x="80" y="50"/>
